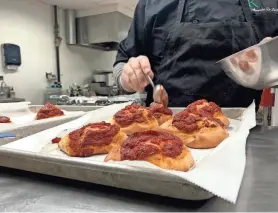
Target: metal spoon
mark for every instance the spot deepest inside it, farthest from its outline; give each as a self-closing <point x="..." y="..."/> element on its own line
<point x="160" y="95"/>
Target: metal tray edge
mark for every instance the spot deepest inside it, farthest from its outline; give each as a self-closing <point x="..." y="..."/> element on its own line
<point x="121" y="176"/>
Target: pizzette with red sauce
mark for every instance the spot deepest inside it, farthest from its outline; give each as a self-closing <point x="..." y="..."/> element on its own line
<point x="199" y="125"/>
<point x="134" y="118"/>
<point x="49" y="111"/>
<point x="5" y="120"/>
<point x="205" y="108"/>
<point x="92" y="139"/>
<point x="159" y="148"/>
<point x="161" y="113"/>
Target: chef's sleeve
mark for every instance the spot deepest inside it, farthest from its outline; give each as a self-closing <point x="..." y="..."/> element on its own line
<point x="134" y="44"/>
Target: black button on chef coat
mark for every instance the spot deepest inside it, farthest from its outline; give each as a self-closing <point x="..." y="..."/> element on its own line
<point x="184" y="38"/>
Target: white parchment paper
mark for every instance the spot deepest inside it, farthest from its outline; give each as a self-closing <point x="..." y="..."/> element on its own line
<point x="219" y="170"/>
<point x="19" y="113"/>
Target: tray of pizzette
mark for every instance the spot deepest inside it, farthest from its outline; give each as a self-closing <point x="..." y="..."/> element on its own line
<point x="23" y="119"/>
<point x="192" y="153"/>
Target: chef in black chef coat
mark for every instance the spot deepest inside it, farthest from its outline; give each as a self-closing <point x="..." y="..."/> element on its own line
<point x="177" y="42"/>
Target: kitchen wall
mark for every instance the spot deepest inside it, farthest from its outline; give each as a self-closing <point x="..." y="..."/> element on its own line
<point x="29" y="24"/>
<point x="77" y="63"/>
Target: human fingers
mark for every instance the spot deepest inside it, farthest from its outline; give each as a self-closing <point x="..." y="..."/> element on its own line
<point x="131" y="80"/>
<point x="139" y="73"/>
<point x="146" y="66"/>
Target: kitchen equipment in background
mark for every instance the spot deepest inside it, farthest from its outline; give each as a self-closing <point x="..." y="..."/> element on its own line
<point x="138" y="98"/>
<point x="50" y="77"/>
<point x="103" y="31"/>
<point x="57" y="96"/>
<point x="87" y="92"/>
<point x="11" y="56"/>
<point x="53" y="90"/>
<point x="75" y="90"/>
<point x="255" y="67"/>
<point x="7" y="93"/>
<point x="99" y="78"/>
<point x="103" y="83"/>
<point x="266" y="105"/>
<point x="52" y="94"/>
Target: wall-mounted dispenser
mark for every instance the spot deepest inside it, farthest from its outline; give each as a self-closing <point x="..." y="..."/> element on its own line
<point x="11" y="56"/>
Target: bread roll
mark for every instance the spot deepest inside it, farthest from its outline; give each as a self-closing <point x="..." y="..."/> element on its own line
<point x="134" y="118"/>
<point x="159" y="148"/>
<point x="92" y="139"/>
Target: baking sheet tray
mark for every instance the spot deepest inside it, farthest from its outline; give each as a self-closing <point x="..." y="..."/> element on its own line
<point x="26" y="154"/>
<point x="23" y="124"/>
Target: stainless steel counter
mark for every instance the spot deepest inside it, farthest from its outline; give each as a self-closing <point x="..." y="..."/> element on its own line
<point x="11" y="100"/>
<point x="23" y="191"/>
<point x="70" y="108"/>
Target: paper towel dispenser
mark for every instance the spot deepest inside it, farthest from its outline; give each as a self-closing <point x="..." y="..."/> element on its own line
<point x="11" y="56"/>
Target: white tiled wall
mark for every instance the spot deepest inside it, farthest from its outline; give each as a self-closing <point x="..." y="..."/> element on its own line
<point x="29" y="23"/>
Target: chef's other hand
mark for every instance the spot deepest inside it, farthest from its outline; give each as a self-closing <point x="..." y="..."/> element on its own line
<point x="133" y="76"/>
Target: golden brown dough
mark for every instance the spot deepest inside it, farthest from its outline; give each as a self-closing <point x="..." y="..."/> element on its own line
<point x="92" y="139"/>
<point x="196" y="131"/>
<point x="159" y="148"/>
<point x="134" y="118"/>
<point x="161" y="113"/>
<point x="49" y="111"/>
<point x="203" y="107"/>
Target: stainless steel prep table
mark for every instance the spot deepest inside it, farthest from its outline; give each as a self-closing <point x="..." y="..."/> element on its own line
<point x="23" y="191"/>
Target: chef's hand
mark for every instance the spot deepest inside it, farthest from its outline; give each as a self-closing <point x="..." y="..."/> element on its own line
<point x="133" y="76"/>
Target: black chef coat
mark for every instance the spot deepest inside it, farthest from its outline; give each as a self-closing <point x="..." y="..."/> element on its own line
<point x="184" y="38"/>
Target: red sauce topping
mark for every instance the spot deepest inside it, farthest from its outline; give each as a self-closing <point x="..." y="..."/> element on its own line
<point x="211" y="108"/>
<point x="193" y="107"/>
<point x="49" y="110"/>
<point x="98" y="134"/>
<point x="56" y="140"/>
<point x="4" y="119"/>
<point x="131" y="114"/>
<point x="186" y="121"/>
<point x="158" y="110"/>
<point x="207" y="110"/>
<point x="189" y="122"/>
<point x="145" y="144"/>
